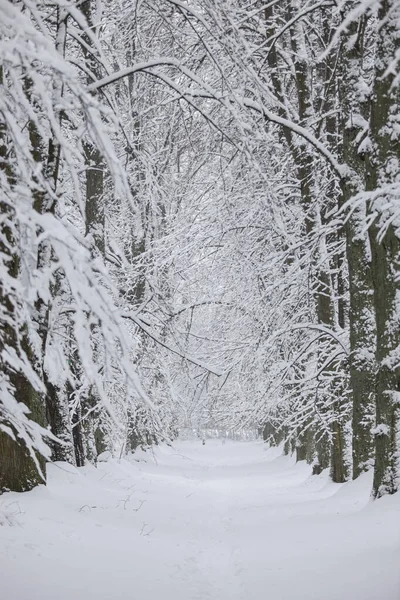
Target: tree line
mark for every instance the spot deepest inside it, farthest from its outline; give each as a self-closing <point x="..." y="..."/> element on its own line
<point x="199" y="226"/>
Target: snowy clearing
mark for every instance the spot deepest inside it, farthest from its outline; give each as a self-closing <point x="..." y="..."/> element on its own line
<point x="234" y="521"/>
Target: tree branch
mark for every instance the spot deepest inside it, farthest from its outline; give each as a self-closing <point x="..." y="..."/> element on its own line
<point x="176" y="351"/>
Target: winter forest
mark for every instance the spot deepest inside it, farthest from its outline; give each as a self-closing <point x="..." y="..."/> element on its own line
<point x="200" y="231"/>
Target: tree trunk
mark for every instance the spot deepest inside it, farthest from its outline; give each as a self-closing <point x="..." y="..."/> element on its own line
<point x="382" y="174"/>
<point x="18" y="471"/>
<point x="55" y="399"/>
<point x="361" y="313"/>
<point x="91" y="428"/>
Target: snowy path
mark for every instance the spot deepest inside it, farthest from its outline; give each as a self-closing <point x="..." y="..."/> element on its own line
<point x="214" y="522"/>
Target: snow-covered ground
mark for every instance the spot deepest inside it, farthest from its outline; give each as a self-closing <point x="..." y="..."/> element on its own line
<point x="192" y="522"/>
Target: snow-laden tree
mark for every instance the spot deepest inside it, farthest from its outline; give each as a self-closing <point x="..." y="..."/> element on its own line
<point x="54" y="293"/>
<point x="201" y="196"/>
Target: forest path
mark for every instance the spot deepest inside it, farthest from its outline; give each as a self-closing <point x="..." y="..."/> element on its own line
<point x="192" y="522"/>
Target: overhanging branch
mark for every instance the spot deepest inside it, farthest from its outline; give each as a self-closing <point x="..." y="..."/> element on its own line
<point x="191" y="359"/>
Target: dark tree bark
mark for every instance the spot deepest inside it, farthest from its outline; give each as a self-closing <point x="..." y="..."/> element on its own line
<point x="49" y="155"/>
<point x="18" y="471"/>
<point x="88" y="431"/>
<point x="361" y="311"/>
<point x="382" y="175"/>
